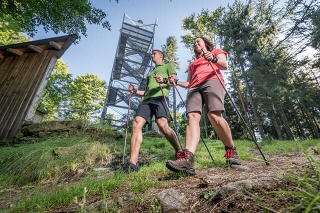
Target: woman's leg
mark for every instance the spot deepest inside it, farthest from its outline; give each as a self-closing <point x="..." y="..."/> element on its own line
<point x="193" y="131"/>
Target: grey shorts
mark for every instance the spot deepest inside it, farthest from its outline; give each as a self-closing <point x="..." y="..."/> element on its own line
<point x="210" y="93"/>
<point x="153" y="106"/>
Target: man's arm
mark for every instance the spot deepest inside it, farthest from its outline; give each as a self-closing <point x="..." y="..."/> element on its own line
<point x="133" y="90"/>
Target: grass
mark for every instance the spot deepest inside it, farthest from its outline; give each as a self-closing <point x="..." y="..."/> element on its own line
<point x="33" y="164"/>
<point x="307" y="189"/>
<point x="48" y="160"/>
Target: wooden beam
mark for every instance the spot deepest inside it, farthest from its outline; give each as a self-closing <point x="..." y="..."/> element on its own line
<point x="15" y="51"/>
<point x="55" y="45"/>
<point x="35" y="48"/>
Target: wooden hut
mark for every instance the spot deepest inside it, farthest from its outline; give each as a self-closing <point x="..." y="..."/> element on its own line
<point x="24" y="72"/>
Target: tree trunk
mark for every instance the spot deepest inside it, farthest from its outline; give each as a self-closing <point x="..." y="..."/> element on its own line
<point x="312" y="126"/>
<point x="300" y="128"/>
<point x="275" y="123"/>
<point x="255" y="112"/>
<point x="286" y="124"/>
<point x="245" y="110"/>
<point x="174" y="107"/>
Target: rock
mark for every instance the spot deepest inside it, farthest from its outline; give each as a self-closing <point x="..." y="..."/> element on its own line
<point x="125" y="199"/>
<point x="172" y="201"/>
<point x="260" y="181"/>
<point x="240" y="167"/>
<point x="153" y="133"/>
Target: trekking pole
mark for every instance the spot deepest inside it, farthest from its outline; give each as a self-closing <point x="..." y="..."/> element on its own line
<point x="125" y="140"/>
<point x="238" y="112"/>
<point x="164" y="97"/>
<point x="175" y="86"/>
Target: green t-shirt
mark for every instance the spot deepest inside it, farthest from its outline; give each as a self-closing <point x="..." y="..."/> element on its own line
<point x="153" y="89"/>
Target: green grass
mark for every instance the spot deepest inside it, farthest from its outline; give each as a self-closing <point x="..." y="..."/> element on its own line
<point x="31" y="164"/>
<point x="38" y="162"/>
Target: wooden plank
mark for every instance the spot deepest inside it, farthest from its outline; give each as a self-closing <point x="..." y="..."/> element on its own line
<point x="22" y="106"/>
<point x="13" y="93"/>
<point x="35" y="48"/>
<point x="55" y="45"/>
<point x="15" y="51"/>
<point x="5" y="65"/>
<point x="14" y="66"/>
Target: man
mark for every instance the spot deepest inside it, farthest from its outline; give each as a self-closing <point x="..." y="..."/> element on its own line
<point x="153" y="104"/>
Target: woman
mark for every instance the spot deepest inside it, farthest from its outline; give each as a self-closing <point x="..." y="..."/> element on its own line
<point x="205" y="88"/>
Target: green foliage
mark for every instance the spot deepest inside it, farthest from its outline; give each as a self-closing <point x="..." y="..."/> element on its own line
<point x="316" y="29"/>
<point x="57" y="92"/>
<point x="87" y="96"/>
<point x="170" y="52"/>
<point x="10" y="32"/>
<point x="205" y="24"/>
<point x="68" y="17"/>
<point x="66" y="98"/>
<point x="271" y="85"/>
<point x="307" y="190"/>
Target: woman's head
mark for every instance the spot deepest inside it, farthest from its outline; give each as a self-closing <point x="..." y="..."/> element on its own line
<point x="202" y="42"/>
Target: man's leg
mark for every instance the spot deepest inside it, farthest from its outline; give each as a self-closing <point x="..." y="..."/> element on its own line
<point x="168" y="133"/>
<point x="136" y="138"/>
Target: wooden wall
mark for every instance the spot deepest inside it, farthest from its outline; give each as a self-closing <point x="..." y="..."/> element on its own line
<point x="20" y="78"/>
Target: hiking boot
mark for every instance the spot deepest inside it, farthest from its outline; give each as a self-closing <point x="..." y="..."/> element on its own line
<point x="231" y="156"/>
<point x="130" y="167"/>
<point x="184" y="162"/>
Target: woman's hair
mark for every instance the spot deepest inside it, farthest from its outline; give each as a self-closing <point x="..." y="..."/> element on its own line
<point x="208" y="43"/>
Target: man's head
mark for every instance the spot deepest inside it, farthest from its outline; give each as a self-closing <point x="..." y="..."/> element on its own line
<point x="157" y="56"/>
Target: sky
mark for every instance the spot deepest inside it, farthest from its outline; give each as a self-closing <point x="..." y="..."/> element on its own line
<point x="96" y="52"/>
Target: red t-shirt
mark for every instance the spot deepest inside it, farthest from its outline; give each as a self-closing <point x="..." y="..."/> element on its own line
<point x="202" y="71"/>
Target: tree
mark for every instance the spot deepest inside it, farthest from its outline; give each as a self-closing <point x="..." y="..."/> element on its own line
<point x="57" y="92"/>
<point x="10" y="32"/>
<point x="68" y="17"/>
<point x="87" y="95"/>
<point x="170" y="52"/>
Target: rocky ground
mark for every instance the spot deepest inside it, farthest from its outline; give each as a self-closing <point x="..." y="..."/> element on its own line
<point x="240" y="189"/>
<point x="218" y="189"/>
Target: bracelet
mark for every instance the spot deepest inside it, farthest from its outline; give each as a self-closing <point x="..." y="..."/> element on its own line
<point x="214" y="59"/>
<point x="134" y="91"/>
<point x="165" y="81"/>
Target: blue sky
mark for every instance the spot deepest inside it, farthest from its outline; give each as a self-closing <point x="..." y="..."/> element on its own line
<point x="95" y="53"/>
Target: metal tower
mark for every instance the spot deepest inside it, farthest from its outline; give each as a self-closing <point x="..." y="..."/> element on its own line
<point x="131" y="65"/>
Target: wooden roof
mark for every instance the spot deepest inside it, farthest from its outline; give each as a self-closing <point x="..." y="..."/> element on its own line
<point x="60" y="44"/>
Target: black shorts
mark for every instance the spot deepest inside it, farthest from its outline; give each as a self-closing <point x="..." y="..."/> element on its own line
<point x="153" y="106"/>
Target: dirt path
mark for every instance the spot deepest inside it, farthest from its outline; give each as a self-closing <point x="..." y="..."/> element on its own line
<point x="197" y="188"/>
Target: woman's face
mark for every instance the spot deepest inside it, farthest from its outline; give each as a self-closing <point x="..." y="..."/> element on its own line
<point x="198" y="44"/>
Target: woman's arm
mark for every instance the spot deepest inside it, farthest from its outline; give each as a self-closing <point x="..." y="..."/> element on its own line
<point x="185" y="84"/>
<point x="222" y="61"/>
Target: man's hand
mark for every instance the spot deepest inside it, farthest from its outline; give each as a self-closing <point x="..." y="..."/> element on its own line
<point x="131" y="88"/>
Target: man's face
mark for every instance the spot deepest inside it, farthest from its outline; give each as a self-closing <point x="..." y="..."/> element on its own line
<point x="156" y="56"/>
